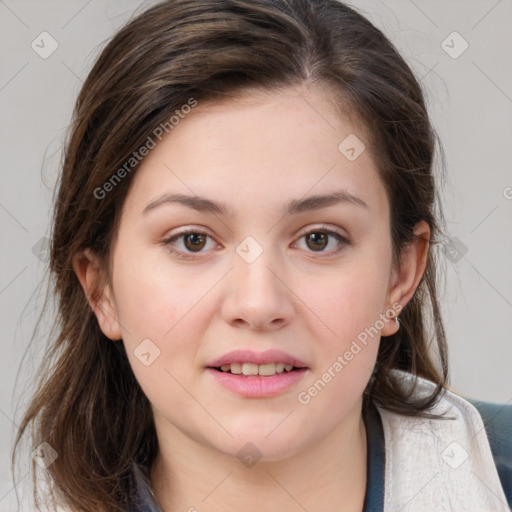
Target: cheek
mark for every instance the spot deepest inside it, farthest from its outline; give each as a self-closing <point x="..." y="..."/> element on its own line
<point x="154" y="300"/>
<point x="346" y="327"/>
<point x="165" y="309"/>
<point x="349" y="300"/>
<point x="170" y="307"/>
<point x="346" y="351"/>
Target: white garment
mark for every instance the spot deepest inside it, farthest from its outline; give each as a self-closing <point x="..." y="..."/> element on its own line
<point x="439" y="465"/>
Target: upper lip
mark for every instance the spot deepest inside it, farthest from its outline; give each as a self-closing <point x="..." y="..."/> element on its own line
<point x="249" y="356"/>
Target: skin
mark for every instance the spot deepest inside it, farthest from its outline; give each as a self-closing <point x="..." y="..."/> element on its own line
<point x="307" y="300"/>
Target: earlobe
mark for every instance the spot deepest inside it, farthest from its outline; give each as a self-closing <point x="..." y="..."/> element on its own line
<point x="406" y="278"/>
<point x="89" y="272"/>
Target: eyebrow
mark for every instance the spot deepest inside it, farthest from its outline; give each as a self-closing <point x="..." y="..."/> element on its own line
<point x="293" y="207"/>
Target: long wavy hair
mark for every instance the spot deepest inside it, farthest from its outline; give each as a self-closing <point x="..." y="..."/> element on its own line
<point x="88" y="405"/>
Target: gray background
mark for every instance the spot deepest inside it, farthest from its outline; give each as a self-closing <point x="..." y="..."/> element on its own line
<point x="470" y="98"/>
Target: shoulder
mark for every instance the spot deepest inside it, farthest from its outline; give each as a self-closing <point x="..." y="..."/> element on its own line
<point x="482" y="430"/>
<point x="497" y="420"/>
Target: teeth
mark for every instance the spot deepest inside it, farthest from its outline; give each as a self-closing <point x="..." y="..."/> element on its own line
<point x="254" y="369"/>
<point x="250" y="369"/>
<point x="236" y="368"/>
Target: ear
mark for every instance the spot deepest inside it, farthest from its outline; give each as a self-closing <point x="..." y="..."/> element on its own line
<point x="406" y="278"/>
<point x="90" y="273"/>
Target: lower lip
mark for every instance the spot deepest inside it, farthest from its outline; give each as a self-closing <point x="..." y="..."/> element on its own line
<point x="254" y="386"/>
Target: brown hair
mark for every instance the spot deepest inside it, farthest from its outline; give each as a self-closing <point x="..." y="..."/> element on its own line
<point x="89" y="406"/>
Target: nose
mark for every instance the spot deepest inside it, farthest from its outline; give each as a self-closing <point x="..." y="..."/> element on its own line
<point x="257" y="296"/>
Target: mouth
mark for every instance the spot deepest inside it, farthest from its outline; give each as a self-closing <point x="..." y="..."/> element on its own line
<point x="252" y="374"/>
<point x="259" y="370"/>
<point x="250" y="380"/>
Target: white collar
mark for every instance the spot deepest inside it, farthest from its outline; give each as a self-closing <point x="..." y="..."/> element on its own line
<point x="439" y="465"/>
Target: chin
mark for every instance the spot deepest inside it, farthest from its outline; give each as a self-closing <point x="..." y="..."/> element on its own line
<point x="252" y="449"/>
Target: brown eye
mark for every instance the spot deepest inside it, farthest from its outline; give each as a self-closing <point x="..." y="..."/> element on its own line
<point x="194" y="241"/>
<point x="317" y="241"/>
<point x="324" y="242"/>
<point x="189" y="244"/>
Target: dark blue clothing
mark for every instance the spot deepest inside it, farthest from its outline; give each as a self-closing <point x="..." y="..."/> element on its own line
<point x="375" y="457"/>
<point x="497" y="420"/>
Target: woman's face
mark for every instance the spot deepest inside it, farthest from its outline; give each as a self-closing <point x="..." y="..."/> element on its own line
<point x="291" y="253"/>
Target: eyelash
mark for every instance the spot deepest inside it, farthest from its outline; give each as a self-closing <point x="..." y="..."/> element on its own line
<point x="188" y="255"/>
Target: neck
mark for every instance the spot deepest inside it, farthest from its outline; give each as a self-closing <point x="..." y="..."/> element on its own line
<point x="328" y="475"/>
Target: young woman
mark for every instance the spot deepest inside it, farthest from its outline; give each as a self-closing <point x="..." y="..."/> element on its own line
<point x="244" y="253"/>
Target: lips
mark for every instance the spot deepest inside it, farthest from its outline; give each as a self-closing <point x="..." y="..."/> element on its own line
<point x="256" y="386"/>
<point x="257" y="358"/>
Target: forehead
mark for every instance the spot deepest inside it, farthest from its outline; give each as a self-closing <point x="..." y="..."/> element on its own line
<point x="262" y="147"/>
